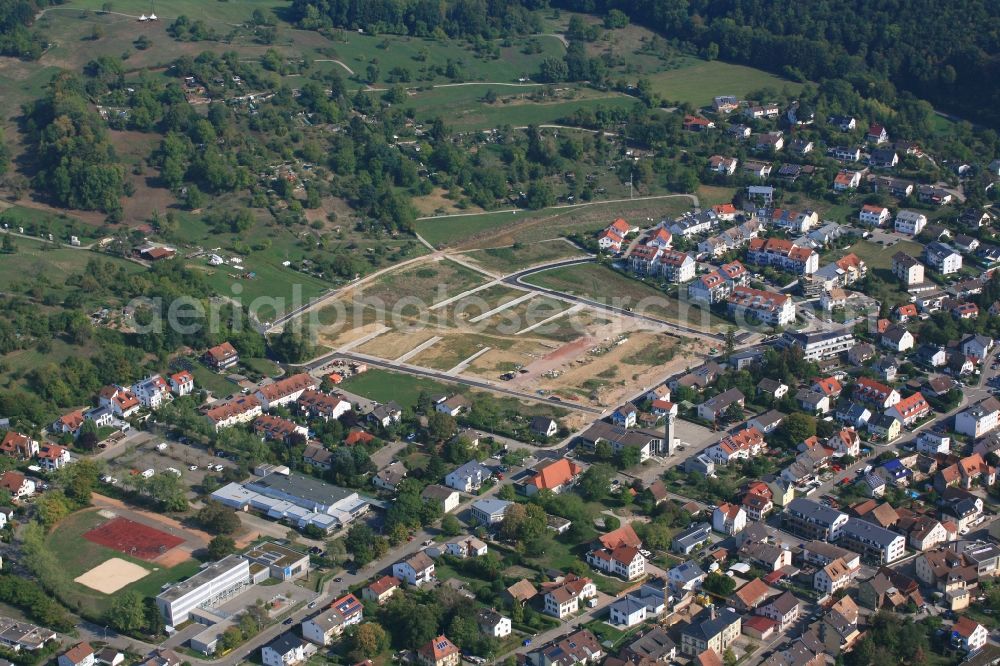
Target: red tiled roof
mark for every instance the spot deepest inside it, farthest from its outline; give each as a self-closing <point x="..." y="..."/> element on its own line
<point x="555" y="474"/>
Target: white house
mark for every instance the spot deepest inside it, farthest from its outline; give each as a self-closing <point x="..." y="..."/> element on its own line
<point x="152" y="391"/>
<point x="416" y="570"/>
<point x="469" y="477"/>
<point x="875" y="216"/>
<point x="181" y="383"/>
<point x="468" y="546"/>
<point x="627" y="612"/>
<point x="623" y="561"/>
<point x="52" y="456"/>
<point x="979" y="419"/>
<point x="910" y="222"/>
<point x="286" y="650"/>
<point x="493" y="623"/>
<point x="968" y="635"/>
<point x="79" y="655"/>
<point x="931" y="443"/>
<point x="729" y="519"/>
<point x="942" y="258"/>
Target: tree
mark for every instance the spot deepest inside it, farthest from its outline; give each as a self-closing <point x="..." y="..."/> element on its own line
<point x="8" y="244"/>
<point x="220" y="546"/>
<point x="218" y="518"/>
<point x="367" y="640"/>
<point x="450" y="525"/>
<point x="629" y="456"/>
<point x="595" y="481"/>
<point x="729" y="657"/>
<point x="127" y="614"/>
<point x="719" y="584"/>
<point x="360" y="543"/>
<point x="797" y="428"/>
<point x="440" y="427"/>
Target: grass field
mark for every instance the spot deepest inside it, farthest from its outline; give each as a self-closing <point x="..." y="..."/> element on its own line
<point x="384" y="385"/>
<point x="428" y="282"/>
<point x="879" y="256"/>
<point x="40" y="262"/>
<point x="600" y="283"/>
<point x="212" y="381"/>
<point x="516" y="257"/>
<point x="79" y="555"/>
<point x="700" y="82"/>
<point x="530" y="226"/>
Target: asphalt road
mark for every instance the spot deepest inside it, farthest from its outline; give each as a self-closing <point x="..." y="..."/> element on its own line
<point x="517" y="279"/>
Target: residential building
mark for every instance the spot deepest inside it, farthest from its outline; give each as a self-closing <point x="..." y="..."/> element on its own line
<point x="580" y="647"/>
<point x="819" y="345"/>
<point x="381" y="590"/>
<point x="152" y="392"/>
<point x="712" y="629"/>
<point x="942" y="258"/>
<point x="911" y="409"/>
<point x="876" y="393"/>
<point x="554" y="475"/>
<point x="493" y="623"/>
<point x="448" y="498"/>
<point x="714" y="407"/>
<point x="907" y="269"/>
<point x="320" y="405"/>
<point x="490" y="511"/>
<point x="469" y="477"/>
<point x="875" y="216"/>
<point x="465" y="547"/>
<point x="783" y="609"/>
<point x="325" y="628"/>
<point x="623" y="561"/>
<point x="729" y="519"/>
<point x="181" y="384"/>
<point x="769" y="308"/>
<point x="873" y="542"/>
<point x="723" y="165"/>
<point x="910" y="222"/>
<point x="417" y="570"/>
<point x="834" y="576"/>
<point x="846" y="180"/>
<point x="52" y="456"/>
<point x="439" y="652"/>
<point x="221" y="356"/>
<point x="285" y="391"/>
<point x="688" y="540"/>
<point x="967" y="635"/>
<point x="121" y="401"/>
<point x="562" y="598"/>
<point x="783" y="254"/>
<point x="813" y="520"/>
<point x="980" y="419"/>
<point x="80" y="654"/>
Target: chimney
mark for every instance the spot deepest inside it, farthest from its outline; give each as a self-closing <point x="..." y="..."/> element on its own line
<point x="711" y="611"/>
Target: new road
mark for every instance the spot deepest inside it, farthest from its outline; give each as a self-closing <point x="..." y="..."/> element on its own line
<point x="442" y="376"/>
<point x="517" y="279"/>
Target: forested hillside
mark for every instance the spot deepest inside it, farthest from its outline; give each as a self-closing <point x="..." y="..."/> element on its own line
<point x="946" y="52"/>
<point x="16" y="17"/>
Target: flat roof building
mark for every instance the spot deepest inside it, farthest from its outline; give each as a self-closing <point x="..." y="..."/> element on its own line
<point x="282" y="563"/>
<point x="214" y="584"/>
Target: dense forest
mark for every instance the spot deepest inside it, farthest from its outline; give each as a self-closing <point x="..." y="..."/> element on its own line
<point x="16" y="37"/>
<point x="941" y="51"/>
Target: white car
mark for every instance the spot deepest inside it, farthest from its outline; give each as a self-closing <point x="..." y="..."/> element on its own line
<point x="218" y="468"/>
<point x="193" y="468"/>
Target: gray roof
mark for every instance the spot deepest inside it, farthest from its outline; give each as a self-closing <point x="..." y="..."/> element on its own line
<point x="471" y="469"/>
<point x="688" y="571"/>
<point x="705" y="627"/>
<point x="654" y="644"/>
<point x="305" y="487"/>
<point x="813" y="511"/>
<point x="285" y="643"/>
<point x="784" y="603"/>
<point x="491" y="506"/>
<point x="693" y="534"/>
<point x="208" y="573"/>
<point x="869" y="532"/>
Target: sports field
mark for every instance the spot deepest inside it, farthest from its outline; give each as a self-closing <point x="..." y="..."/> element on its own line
<point x="132" y="538"/>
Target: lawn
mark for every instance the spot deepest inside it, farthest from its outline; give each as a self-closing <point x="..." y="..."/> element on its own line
<point x="210" y="380"/>
<point x="596" y="282"/>
<point x="427" y="283"/>
<point x="384" y="385"/>
<point x="700" y="82"/>
<point x="879" y="256"/>
<point x="262" y="366"/>
<point x="79" y="555"/>
<point x="515" y="257"/>
<point x="41" y="223"/>
<point x="485" y="230"/>
<point x="41" y="262"/>
<point x="232" y="11"/>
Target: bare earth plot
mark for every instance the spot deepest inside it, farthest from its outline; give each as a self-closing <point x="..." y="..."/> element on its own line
<point x="112" y="575"/>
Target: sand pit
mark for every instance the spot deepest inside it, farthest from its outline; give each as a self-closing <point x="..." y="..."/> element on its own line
<point x="112" y="575"/>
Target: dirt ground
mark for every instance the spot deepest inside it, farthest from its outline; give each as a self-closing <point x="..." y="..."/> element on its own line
<point x="436" y="203"/>
<point x="393" y="343"/>
<point x="112" y="575"/>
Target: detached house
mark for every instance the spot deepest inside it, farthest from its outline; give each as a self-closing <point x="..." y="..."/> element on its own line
<point x="221" y="357"/>
<point x="563" y="597"/>
<point x="729" y="519"/>
<point x="980" y="419"/>
<point x="121" y="401"/>
<point x="181" y="383"/>
<point x="846" y="180"/>
<point x="556" y="476"/>
<point x="968" y="635"/>
<point x="875" y="216"/>
<point x="897" y="338"/>
<point x="723" y="165"/>
<point x="152" y="391"/>
<point x="623" y="561"/>
<point x="469" y="477"/>
<point x="416" y="570"/>
<point x="17" y="445"/>
<point x="52" y="456"/>
<point x="713" y="408"/>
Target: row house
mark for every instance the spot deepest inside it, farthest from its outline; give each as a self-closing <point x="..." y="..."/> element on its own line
<point x="730" y="239"/>
<point x="278" y="429"/>
<point x="692" y="224"/>
<point x="876" y="393"/>
<point x="741" y="445"/>
<point x="783" y="254"/>
<point x="714" y="287"/>
<point x="911" y="409"/>
<point x="285" y="390"/>
<point x="319" y="405"/>
<point x="769" y="308"/>
<point x="242" y="409"/>
<point x="762" y="111"/>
